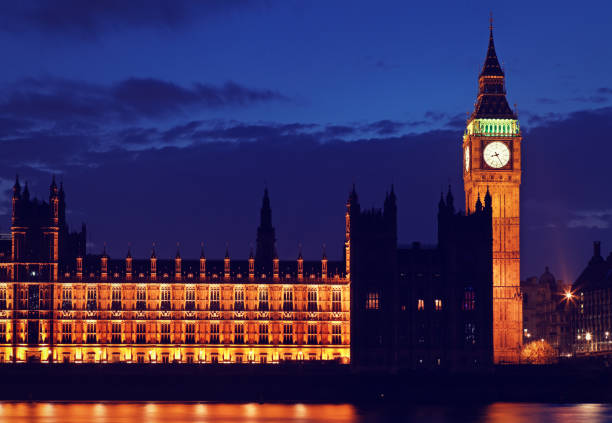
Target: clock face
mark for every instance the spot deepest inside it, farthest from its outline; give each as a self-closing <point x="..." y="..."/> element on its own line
<point x="467" y="158"/>
<point x="496" y="154"/>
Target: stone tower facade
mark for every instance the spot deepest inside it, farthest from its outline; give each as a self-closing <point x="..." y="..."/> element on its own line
<point x="492" y="161"/>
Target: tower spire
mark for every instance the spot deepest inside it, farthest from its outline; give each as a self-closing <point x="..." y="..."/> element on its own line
<point x="266" y="237"/>
<point x="492" y="102"/>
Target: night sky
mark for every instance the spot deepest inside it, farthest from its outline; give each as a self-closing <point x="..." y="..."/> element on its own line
<point x="166" y="119"/>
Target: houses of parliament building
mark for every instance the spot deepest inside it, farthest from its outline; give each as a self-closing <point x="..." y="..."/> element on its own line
<point x="451" y="305"/>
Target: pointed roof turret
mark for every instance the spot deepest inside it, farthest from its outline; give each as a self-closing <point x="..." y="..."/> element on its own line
<point x="178" y="251"/>
<point x="129" y="251"/>
<point x="491" y="66"/>
<point x="492" y="102"/>
<point x="153" y="251"/>
<point x="26" y="192"/>
<point x="202" y="255"/>
<point x="488" y="199"/>
<point x="450" y="202"/>
<point x="16" y="187"/>
<point x="478" y="204"/>
<point x="266" y="235"/>
<point x="53" y="186"/>
<point x="227" y="251"/>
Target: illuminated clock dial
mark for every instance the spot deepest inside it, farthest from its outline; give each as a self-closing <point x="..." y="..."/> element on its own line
<point x="496" y="154"/>
<point x="467" y="158"/>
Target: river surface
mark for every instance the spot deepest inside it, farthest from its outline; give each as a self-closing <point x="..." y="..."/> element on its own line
<point x="305" y="413"/>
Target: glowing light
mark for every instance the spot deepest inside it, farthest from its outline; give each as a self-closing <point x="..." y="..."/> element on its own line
<point x="588" y="336"/>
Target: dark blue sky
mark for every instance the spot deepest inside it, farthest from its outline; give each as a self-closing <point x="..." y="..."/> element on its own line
<point x="166" y="118"/>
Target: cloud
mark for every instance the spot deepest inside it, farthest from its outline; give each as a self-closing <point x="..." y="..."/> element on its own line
<point x="88" y="19"/>
<point x="61" y="100"/>
<point x="385" y="127"/>
<point x="598" y="219"/>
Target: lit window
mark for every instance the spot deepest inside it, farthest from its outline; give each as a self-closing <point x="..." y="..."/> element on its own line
<point x="263" y="333"/>
<point x="91" y="333"/>
<point x="116" y="298"/>
<point x="214" y="298"/>
<point x="214" y="333"/>
<point x="420" y="304"/>
<point x="263" y="298"/>
<point x="165" y="298"/>
<point x="190" y="298"/>
<point x="239" y="333"/>
<point x="288" y="334"/>
<point x="287" y="299"/>
<point x="141" y="297"/>
<point x="312" y="299"/>
<point x="470" y="333"/>
<point x="116" y="333"/>
<point x="372" y="302"/>
<point x="92" y="296"/>
<point x="165" y="333"/>
<point x="437" y="304"/>
<point x="312" y="334"/>
<point x="336" y="300"/>
<point x="336" y="334"/>
<point x="66" y="298"/>
<point x="190" y="333"/>
<point x="141" y="333"/>
<point x="469" y="299"/>
<point x="238" y="298"/>
<point x="67" y="333"/>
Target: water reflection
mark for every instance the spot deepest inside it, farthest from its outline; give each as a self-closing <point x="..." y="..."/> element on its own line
<point x="118" y="412"/>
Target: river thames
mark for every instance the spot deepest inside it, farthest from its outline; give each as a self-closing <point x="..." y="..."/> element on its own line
<point x="120" y="412"/>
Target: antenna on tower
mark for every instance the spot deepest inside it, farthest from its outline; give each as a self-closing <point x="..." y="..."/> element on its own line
<point x="491" y="21"/>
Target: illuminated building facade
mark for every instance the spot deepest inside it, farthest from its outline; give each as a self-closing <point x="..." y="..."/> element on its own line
<point x="58" y="304"/>
<point x="547" y="311"/>
<point x="592" y="306"/>
<point x="492" y="161"/>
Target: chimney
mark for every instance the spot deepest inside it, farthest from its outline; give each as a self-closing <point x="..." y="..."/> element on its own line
<point x="597" y="249"/>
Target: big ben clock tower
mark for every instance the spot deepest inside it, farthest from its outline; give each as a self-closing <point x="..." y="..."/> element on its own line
<point x="492" y="161"/>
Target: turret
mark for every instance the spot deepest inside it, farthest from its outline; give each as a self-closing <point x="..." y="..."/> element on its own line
<point x="324" y="265"/>
<point x="226" y="264"/>
<point x="275" y="265"/>
<point x="202" y="263"/>
<point x="352" y="210"/>
<point x="488" y="201"/>
<point x="251" y="265"/>
<point x="128" y="264"/>
<point x="62" y="205"/>
<point x="300" y="265"/>
<point x="266" y="237"/>
<point x="79" y="268"/>
<point x="25" y="196"/>
<point x="478" y="204"/>
<point x="153" y="264"/>
<point x="54" y="202"/>
<point x="450" y="202"/>
<point x="104" y="265"/>
<point x="177" y="264"/>
<point x="16" y="198"/>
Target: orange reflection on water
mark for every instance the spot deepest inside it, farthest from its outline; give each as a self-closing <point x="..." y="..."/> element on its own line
<point x="118" y="412"/>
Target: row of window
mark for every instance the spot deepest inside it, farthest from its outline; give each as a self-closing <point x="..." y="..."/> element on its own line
<point x="190" y="299"/>
<point x="263" y="335"/>
<point x="468" y="303"/>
